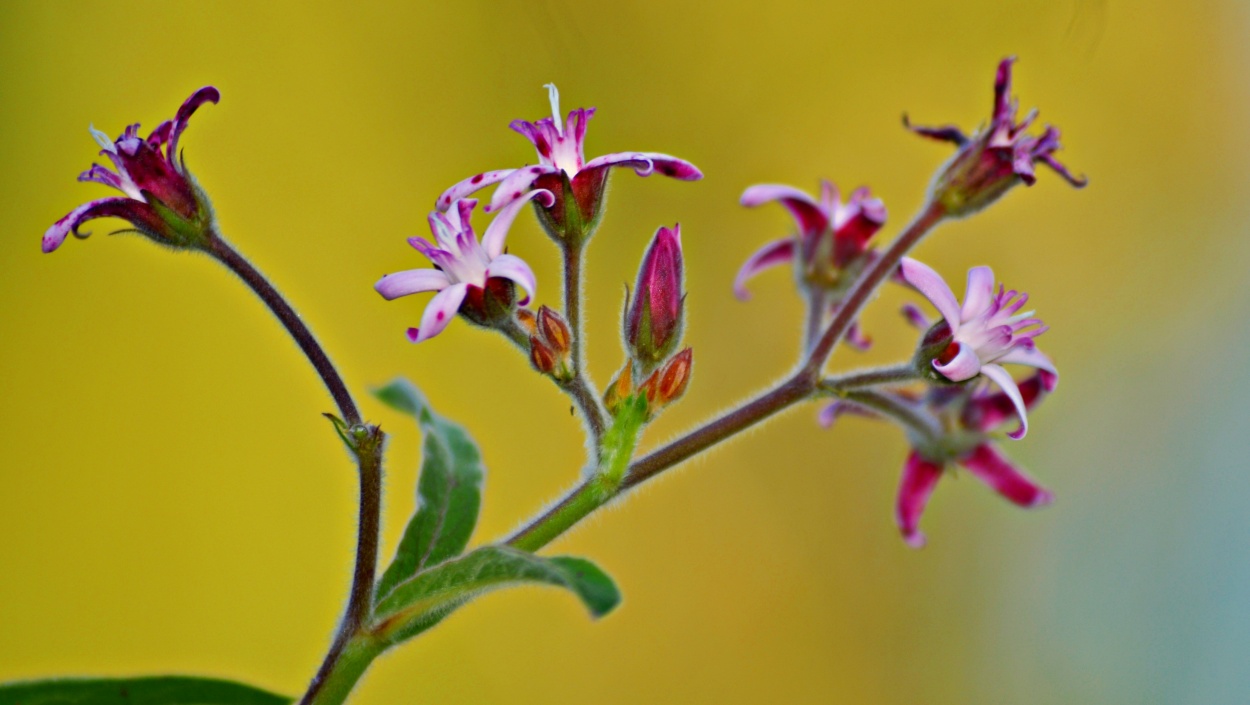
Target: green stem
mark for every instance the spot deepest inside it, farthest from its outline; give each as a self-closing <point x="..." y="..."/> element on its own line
<point x="352" y="662"/>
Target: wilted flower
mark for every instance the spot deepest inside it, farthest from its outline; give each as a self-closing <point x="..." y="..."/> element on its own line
<point x="578" y="185"/>
<point x="995" y="158"/>
<point x="988" y="329"/>
<point x="162" y="200"/>
<point x="473" y="278"/>
<point x="653" y="319"/>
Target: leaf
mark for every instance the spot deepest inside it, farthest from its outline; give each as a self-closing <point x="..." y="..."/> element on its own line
<point x="449" y="490"/>
<point x="423" y="601"/>
<point x="146" y="690"/>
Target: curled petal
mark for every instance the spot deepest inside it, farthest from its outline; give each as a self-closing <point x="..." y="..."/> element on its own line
<point x="470" y="185"/>
<point x="989" y="411"/>
<point x="834" y="409"/>
<point x="916" y="317"/>
<point x="140" y="215"/>
<point x="1031" y="356"/>
<point x="856" y="338"/>
<point x="1077" y="181"/>
<point x="101" y="175"/>
<point x="497" y="231"/>
<point x="990" y="467"/>
<point x="1005" y="382"/>
<point x="207" y="94"/>
<point x="413" y="281"/>
<point x="439" y="312"/>
<point x="514" y="268"/>
<point x="770" y="255"/>
<point x="811" y="218"/>
<point x="646" y="163"/>
<point x="934" y="288"/>
<point x="945" y="133"/>
<point x="516" y="185"/>
<point x="920" y="478"/>
<point x="965" y="364"/>
<point x="980" y="291"/>
<point x="160" y="135"/>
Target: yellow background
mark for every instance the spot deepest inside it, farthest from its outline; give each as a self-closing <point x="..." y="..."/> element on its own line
<point x="172" y="501"/>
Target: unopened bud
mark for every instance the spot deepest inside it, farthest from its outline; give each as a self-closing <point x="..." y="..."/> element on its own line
<point x="619" y="389"/>
<point x="675" y="377"/>
<point x="653" y="319"/>
<point x="554" y="331"/>
<point x="527" y="320"/>
<point x="542" y="357"/>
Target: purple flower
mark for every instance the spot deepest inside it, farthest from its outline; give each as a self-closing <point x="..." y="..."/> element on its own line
<point x="653" y="321"/>
<point x="162" y="200"/>
<point x="987" y="330"/>
<point x="475" y="279"/>
<point x="563" y="170"/>
<point x="978" y="416"/>
<point x="996" y="158"/>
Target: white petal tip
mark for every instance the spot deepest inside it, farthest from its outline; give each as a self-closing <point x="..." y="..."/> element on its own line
<point x="915" y="540"/>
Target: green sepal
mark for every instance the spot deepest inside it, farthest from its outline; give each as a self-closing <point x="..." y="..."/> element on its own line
<point x="424" y="600"/>
<point x="145" y="690"/>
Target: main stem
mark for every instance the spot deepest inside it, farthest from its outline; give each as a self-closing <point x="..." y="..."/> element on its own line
<point x="580" y="388"/>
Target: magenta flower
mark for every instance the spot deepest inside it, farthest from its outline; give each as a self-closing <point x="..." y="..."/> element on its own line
<point x="475" y="279"/>
<point x="162" y="200"/>
<point x="981" y="415"/>
<point x="563" y="170"/>
<point x="987" y="330"/>
<point x="995" y="158"/>
<point x="830" y="246"/>
<point x="653" y="321"/>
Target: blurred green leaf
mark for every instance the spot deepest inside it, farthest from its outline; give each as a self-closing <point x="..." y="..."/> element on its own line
<point x="449" y="490"/>
<point x="423" y="601"/>
<point x="147" y="690"/>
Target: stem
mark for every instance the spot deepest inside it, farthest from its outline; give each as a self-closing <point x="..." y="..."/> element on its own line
<point x="898" y="409"/>
<point x="580" y="388"/>
<point x="895" y="374"/>
<point x="345" y="671"/>
<point x="579" y="502"/>
<point x="817" y="302"/>
<point x="868" y="282"/>
<point x="294" y="325"/>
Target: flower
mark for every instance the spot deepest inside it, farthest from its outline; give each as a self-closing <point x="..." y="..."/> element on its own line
<point x="988" y="329"/>
<point x="162" y="200"/>
<point x="653" y="320"/>
<point x="830" y="247"/>
<point x="563" y="170"/>
<point x="978" y="415"/>
<point x="475" y="279"/>
<point x="993" y="160"/>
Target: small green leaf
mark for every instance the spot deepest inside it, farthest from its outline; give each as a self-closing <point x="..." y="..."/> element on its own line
<point x="449" y="490"/>
<point x="423" y="601"/>
<point x="148" y="690"/>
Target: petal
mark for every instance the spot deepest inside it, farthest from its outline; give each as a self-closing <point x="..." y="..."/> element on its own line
<point x="856" y="338"/>
<point x="516" y="185"/>
<point x="810" y="216"/>
<point x="470" y="185"/>
<point x="514" y="268"/>
<point x="138" y="213"/>
<point x="1077" y="181"/>
<point x="986" y="412"/>
<point x="160" y="135"/>
<point x="934" y="288"/>
<point x="916" y="317"/>
<point x="837" y="408"/>
<point x="1031" y="356"/>
<point x="979" y="293"/>
<point x="990" y="467"/>
<point x="646" y="163"/>
<point x="1005" y="381"/>
<point x="965" y="364"/>
<point x="945" y="133"/>
<point x="207" y="94"/>
<point x="101" y="175"/>
<point x="439" y="312"/>
<point x="412" y="281"/>
<point x="1002" y="90"/>
<point x="920" y="478"/>
<point x="497" y="231"/>
<point x="770" y="255"/>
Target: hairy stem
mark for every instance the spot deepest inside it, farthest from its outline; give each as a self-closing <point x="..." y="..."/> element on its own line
<point x="817" y="303"/>
<point x="895" y="374"/>
<point x="897" y="408"/>
<point x="579" y="389"/>
<point x="582" y="391"/>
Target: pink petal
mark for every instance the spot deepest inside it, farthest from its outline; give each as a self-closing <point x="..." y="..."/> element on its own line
<point x="412" y="281"/>
<point x="646" y="163"/>
<point x="834" y="409"/>
<point x="497" y="231"/>
<point x="856" y="338"/>
<point x="920" y="478"/>
<point x="810" y="216"/>
<point x="934" y="288"/>
<point x="159" y="136"/>
<point x="514" y="268"/>
<point x="965" y="365"/>
<point x="470" y="185"/>
<point x="990" y="467"/>
<point x="979" y="293"/>
<point x="916" y="317"/>
<point x="516" y="185"/>
<point x="101" y="175"/>
<point x="1031" y="356"/>
<point x="986" y="412"/>
<point x="945" y="133"/>
<point x="770" y="255"/>
<point x="207" y="94"/>
<point x="1005" y="382"/>
<point x="439" y="312"/>
<point x="138" y="213"/>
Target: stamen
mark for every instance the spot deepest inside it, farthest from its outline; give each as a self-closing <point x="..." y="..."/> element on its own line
<point x="102" y="139"/>
<point x="553" y="94"/>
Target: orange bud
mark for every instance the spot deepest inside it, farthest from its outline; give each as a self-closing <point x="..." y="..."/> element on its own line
<point x="620" y="388"/>
<point x="674" y="377"/>
<point x="554" y="330"/>
<point x="542" y="357"/>
<point x="526" y="318"/>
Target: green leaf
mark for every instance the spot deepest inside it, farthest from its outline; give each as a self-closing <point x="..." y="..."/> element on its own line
<point x="449" y="490"/>
<point x="423" y="601"/>
<point x="148" y="690"/>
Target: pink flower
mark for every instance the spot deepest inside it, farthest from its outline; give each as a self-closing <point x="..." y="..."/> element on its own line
<point x="978" y="415"/>
<point x="830" y="246"/>
<point x="475" y="279"/>
<point x="162" y="200"/>
<point x="653" y="321"/>
<point x="987" y="330"/>
<point x="996" y="158"/>
<point x="563" y="170"/>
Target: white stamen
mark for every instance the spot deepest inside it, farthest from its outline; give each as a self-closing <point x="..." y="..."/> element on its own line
<point x="553" y="94"/>
<point x="103" y="139"/>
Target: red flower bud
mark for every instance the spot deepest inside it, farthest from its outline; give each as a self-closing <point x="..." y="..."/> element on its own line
<point x="653" y="320"/>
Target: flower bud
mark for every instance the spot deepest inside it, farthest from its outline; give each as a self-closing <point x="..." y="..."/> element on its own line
<point x="527" y="320"/>
<point x="542" y="357"/>
<point x="653" y="320"/>
<point x="669" y="383"/>
<point x="619" y="389"/>
<point x="551" y="345"/>
<point x="554" y="331"/>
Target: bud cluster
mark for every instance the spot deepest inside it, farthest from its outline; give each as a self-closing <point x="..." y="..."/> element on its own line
<point x="551" y="343"/>
<point x="661" y="388"/>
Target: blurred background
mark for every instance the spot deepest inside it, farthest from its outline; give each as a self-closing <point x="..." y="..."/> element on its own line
<point x="172" y="501"/>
